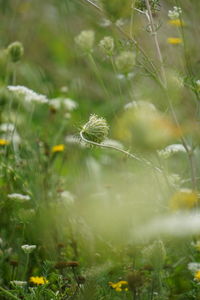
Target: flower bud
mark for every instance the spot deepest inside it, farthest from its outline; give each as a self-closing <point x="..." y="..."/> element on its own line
<point x="96" y="129"/>
<point x="85" y="40"/>
<point x="15" y="51"/>
<point x="125" y="61"/>
<point x="107" y="45"/>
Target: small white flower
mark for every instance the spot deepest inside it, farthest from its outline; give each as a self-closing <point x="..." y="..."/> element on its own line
<point x="140" y="104"/>
<point x="19" y="283"/>
<point x="175" y="13"/>
<point x="28" y="94"/>
<point x="19" y="197"/>
<point x="67" y="197"/>
<point x="7" y="127"/>
<point x="194" y="266"/>
<point x="198" y="83"/>
<point x="171" y="149"/>
<point x="28" y="248"/>
<point x="66" y="103"/>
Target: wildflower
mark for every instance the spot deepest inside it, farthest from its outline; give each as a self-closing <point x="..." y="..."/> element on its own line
<point x="28" y="248"/>
<point x="19" y="197"/>
<point x="38" y="280"/>
<point x="4" y="142"/>
<point x="58" y="148"/>
<point x="107" y="45"/>
<point x="15" y="51"/>
<point x="63" y="103"/>
<point x="5" y="127"/>
<point x="119" y="286"/>
<point x="85" y="40"/>
<point x="19" y="283"/>
<point x="183" y="199"/>
<point x="175" y="13"/>
<point x="125" y="61"/>
<point x="67" y="197"/>
<point x="174" y="40"/>
<point x="96" y="129"/>
<point x="176" y="22"/>
<point x="194" y="267"/>
<point x="170" y="150"/>
<point x="28" y="95"/>
<point x="197" y="275"/>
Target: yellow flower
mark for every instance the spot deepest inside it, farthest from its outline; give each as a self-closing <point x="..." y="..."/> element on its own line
<point x="183" y="199"/>
<point x="4" y="142"/>
<point x="38" y="280"/>
<point x="197" y="275"/>
<point x="119" y="286"/>
<point x="174" y="40"/>
<point x="58" y="148"/>
<point x="176" y="22"/>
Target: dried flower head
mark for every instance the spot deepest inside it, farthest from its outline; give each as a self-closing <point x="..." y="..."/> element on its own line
<point x="96" y="129"/>
<point x="85" y="40"/>
<point x="15" y="51"/>
<point x="107" y="45"/>
<point x="125" y="61"/>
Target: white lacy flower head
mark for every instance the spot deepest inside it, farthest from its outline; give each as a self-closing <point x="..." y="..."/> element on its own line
<point x="7" y="127"/>
<point x="171" y="149"/>
<point x="140" y="104"/>
<point x="193" y="267"/>
<point x="28" y="94"/>
<point x="19" y="197"/>
<point x="28" y="248"/>
<point x="19" y="283"/>
<point x="175" y="13"/>
<point x="67" y="197"/>
<point x="66" y="103"/>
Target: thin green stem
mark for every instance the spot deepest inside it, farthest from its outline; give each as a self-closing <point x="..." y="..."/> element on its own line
<point x="9" y="294"/>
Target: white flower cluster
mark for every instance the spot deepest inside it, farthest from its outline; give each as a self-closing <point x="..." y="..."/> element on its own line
<point x="28" y="248"/>
<point x="140" y="104"/>
<point x="63" y="103"/>
<point x="175" y="13"/>
<point x="9" y="132"/>
<point x="19" y="197"/>
<point x="194" y="266"/>
<point x="18" y="283"/>
<point x="28" y="94"/>
<point x="170" y="150"/>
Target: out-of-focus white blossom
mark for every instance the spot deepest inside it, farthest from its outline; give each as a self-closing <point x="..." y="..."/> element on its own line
<point x="67" y="197"/>
<point x="28" y="248"/>
<point x="139" y="104"/>
<point x="63" y="103"/>
<point x="170" y="150"/>
<point x="194" y="266"/>
<point x="175" y="13"/>
<point x="28" y="94"/>
<point x="19" y="197"/>
<point x="19" y="283"/>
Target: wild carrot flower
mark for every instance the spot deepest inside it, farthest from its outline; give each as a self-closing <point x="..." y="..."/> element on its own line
<point x="174" y="41"/>
<point x="38" y="280"/>
<point x="119" y="286"/>
<point x="28" y="248"/>
<point x="85" y="40"/>
<point x="18" y="283"/>
<point x="4" y="142"/>
<point x="58" y="148"/>
<point x="175" y="13"/>
<point x="19" y="197"/>
<point x="28" y="95"/>
<point x="96" y="129"/>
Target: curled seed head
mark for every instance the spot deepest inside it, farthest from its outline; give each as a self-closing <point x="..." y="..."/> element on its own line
<point x="96" y="129"/>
